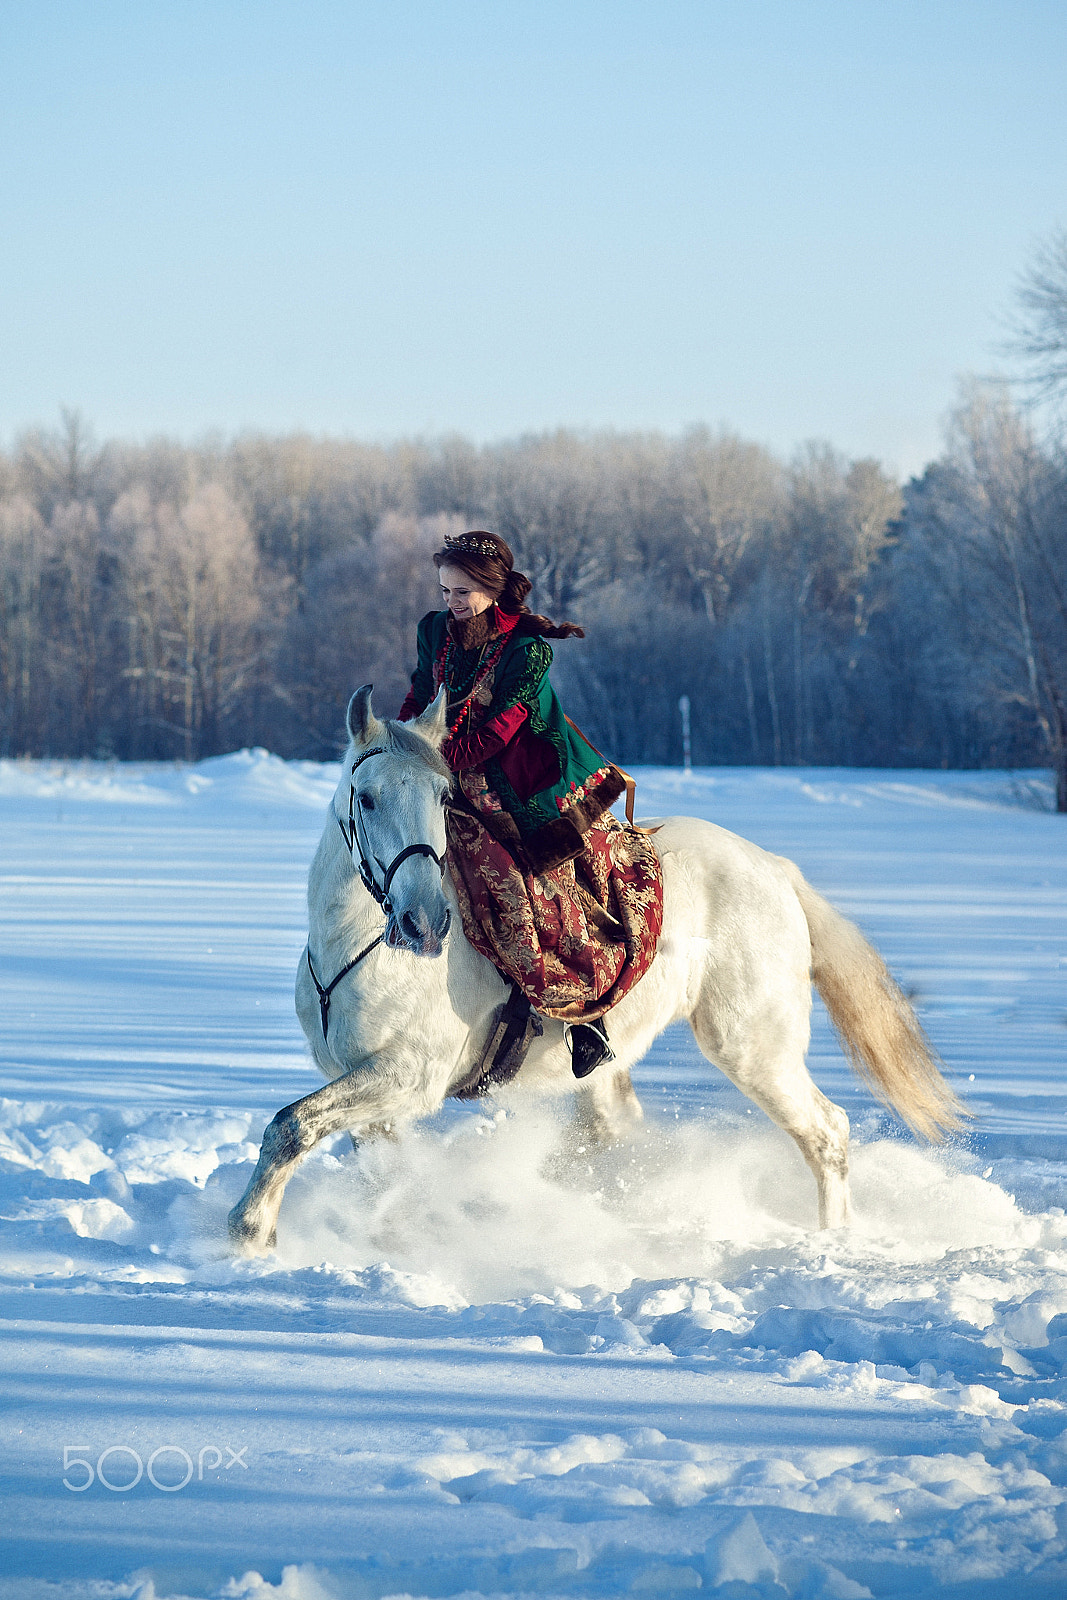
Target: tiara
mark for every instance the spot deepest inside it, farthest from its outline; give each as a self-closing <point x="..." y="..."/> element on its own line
<point x="472" y="544"/>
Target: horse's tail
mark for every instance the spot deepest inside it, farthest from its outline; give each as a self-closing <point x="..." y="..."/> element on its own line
<point x="879" y="1032"/>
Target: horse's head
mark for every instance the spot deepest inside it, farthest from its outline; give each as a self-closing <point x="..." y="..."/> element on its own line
<point x="390" y="808"/>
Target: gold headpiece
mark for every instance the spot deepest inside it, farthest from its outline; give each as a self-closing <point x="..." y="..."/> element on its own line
<point x="472" y="544"/>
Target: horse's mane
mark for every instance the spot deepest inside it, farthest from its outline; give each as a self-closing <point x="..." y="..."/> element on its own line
<point x="402" y="740"/>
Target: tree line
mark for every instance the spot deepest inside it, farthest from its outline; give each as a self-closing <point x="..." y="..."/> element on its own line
<point x="166" y="600"/>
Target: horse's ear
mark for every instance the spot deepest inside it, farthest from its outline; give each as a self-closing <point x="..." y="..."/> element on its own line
<point x="363" y="725"/>
<point x="433" y="722"/>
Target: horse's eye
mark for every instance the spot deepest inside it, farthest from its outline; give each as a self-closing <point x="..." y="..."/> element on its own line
<point x="366" y="803"/>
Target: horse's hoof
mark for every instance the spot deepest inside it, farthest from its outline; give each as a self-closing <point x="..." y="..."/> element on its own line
<point x="245" y="1238"/>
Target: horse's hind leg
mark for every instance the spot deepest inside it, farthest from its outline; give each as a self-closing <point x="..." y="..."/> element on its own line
<point x="820" y="1131"/>
<point x="769" y="1068"/>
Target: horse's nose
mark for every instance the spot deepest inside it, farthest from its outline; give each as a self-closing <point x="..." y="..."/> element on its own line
<point x="423" y="936"/>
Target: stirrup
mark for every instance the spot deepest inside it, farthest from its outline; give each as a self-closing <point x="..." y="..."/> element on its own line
<point x="588" y="1045"/>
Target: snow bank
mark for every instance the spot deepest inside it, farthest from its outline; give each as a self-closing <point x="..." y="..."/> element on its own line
<point x="247" y="776"/>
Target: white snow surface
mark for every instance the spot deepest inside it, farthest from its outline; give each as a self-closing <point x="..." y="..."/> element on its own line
<point x="467" y="1369"/>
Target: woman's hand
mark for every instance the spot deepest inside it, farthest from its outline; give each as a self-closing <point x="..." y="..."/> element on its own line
<point x="471" y="749"/>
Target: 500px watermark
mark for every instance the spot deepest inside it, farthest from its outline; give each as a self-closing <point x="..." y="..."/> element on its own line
<point x="169" y="1468"/>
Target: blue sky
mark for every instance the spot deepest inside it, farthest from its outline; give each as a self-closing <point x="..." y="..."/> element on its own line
<point x="799" y="220"/>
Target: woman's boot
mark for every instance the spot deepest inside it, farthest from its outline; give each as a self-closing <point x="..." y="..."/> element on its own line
<point x="589" y="1046"/>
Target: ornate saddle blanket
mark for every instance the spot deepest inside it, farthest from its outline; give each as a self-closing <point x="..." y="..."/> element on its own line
<point x="574" y="938"/>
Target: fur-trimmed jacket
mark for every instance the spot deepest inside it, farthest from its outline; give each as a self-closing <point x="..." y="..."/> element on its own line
<point x="509" y="738"/>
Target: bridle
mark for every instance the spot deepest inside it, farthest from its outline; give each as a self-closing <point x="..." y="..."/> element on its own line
<point x="380" y="892"/>
<point x="350" y="835"/>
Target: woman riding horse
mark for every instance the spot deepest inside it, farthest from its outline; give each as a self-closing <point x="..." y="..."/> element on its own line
<point x="553" y="889"/>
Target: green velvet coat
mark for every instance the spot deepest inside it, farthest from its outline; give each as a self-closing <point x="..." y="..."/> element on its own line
<point x="551" y="818"/>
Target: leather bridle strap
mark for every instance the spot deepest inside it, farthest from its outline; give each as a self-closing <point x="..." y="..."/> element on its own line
<point x="350" y="835"/>
<point x="410" y="850"/>
<point x="325" y="993"/>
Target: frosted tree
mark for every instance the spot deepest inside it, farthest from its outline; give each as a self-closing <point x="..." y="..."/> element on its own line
<point x="1039" y="326"/>
<point x="193" y="609"/>
<point x="993" y="520"/>
<point x="730" y="494"/>
<point x="358" y="625"/>
<point x="548" y="498"/>
<point x="23" y="686"/>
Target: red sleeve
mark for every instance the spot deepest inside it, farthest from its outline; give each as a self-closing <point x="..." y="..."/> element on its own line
<point x="471" y="749"/>
<point x="410" y="708"/>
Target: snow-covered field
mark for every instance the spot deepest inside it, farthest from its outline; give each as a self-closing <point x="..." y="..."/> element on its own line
<point x="465" y="1372"/>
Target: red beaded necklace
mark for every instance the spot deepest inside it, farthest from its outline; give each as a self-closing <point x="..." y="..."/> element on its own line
<point x="462" y="692"/>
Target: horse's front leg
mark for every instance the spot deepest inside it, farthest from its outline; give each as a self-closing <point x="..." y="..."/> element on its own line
<point x="606" y="1108"/>
<point x="356" y="1100"/>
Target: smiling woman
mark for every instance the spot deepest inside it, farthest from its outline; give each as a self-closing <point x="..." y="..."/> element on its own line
<point x="554" y="890"/>
<point x="461" y="594"/>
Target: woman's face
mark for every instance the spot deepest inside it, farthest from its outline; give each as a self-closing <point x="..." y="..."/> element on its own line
<point x="461" y="594"/>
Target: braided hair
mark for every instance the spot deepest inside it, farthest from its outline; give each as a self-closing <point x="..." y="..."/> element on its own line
<point x="489" y="563"/>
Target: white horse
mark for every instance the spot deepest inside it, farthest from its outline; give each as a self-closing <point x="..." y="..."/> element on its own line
<point x="744" y="936"/>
